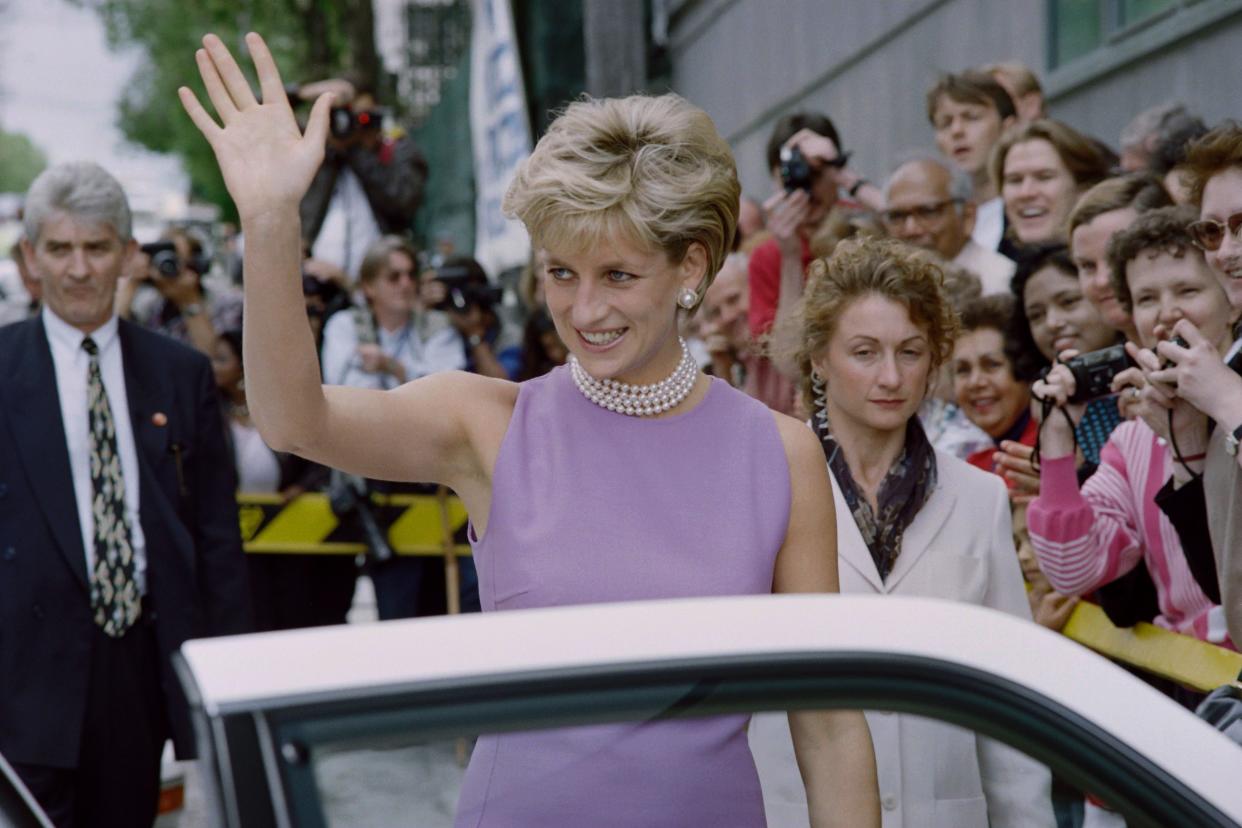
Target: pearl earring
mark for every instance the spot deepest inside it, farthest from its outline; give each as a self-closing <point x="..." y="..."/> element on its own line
<point x="687" y="299"/>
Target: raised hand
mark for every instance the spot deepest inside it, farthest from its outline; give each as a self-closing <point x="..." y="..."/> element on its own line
<point x="267" y="161"/>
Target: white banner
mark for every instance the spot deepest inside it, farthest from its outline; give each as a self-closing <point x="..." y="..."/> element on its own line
<point x="500" y="131"/>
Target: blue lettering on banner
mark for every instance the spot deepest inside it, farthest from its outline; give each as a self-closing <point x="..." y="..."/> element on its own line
<point x="501" y="72"/>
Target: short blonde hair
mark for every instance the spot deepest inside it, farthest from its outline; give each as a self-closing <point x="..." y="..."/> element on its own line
<point x="861" y="267"/>
<point x="649" y="169"/>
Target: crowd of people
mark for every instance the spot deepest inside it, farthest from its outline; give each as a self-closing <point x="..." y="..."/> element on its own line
<point x="1017" y="355"/>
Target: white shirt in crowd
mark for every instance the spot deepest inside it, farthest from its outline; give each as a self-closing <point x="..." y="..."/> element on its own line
<point x="258" y="469"/>
<point x="427" y="345"/>
<point x="349" y="226"/>
<point x="72" y="364"/>
<point x="995" y="271"/>
<point x="14" y="300"/>
<point x="989" y="223"/>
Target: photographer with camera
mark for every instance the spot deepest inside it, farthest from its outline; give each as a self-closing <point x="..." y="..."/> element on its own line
<point x="1206" y="511"/>
<point x="1091" y="535"/>
<point x="459" y="288"/>
<point x="809" y="172"/>
<point x="164" y="291"/>
<point x="369" y="185"/>
<point x="393" y="339"/>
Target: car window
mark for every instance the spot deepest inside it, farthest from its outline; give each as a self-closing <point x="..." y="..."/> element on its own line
<point x="937" y="774"/>
<point x="398" y="763"/>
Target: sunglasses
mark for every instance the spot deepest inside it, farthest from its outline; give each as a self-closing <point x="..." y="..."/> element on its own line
<point x="1209" y="234"/>
<point x="840" y="161"/>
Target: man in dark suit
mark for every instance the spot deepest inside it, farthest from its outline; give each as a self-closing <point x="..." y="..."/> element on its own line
<point x="118" y="524"/>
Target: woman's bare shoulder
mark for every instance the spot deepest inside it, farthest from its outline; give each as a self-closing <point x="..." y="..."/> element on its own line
<point x="475" y="399"/>
<point x="799" y="440"/>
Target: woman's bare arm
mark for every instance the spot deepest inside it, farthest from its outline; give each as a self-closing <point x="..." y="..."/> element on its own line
<point x="833" y="748"/>
<point x="421" y="431"/>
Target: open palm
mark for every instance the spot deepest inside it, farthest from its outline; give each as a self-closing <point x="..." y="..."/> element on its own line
<point x="266" y="160"/>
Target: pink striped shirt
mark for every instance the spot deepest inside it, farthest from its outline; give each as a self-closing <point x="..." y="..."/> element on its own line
<point x="1085" y="539"/>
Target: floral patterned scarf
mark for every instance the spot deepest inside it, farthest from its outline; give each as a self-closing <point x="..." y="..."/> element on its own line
<point x="904" y="490"/>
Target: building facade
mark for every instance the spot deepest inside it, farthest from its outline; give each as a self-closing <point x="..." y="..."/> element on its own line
<point x="868" y="63"/>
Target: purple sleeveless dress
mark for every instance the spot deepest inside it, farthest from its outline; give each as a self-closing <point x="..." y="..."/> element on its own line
<point x="590" y="506"/>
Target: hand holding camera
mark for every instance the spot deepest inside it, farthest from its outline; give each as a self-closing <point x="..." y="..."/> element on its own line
<point x="806" y="156"/>
<point x="351" y="120"/>
<point x="176" y="279"/>
<point x="786" y="212"/>
<point x="1192" y="367"/>
<point x="1059" y="385"/>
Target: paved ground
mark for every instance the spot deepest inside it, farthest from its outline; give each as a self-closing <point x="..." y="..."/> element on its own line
<point x="414" y="785"/>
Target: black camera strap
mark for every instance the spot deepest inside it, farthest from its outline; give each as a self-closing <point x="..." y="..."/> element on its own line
<point x="1194" y="475"/>
<point x="1045" y="408"/>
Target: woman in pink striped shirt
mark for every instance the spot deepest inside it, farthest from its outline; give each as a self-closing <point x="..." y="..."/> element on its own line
<point x="1086" y="537"/>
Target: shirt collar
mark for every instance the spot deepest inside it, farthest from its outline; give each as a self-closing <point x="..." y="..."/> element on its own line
<point x="61" y="333"/>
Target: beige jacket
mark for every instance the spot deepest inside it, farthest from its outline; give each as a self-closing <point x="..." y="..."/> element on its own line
<point x="1222" y="491"/>
<point x="931" y="775"/>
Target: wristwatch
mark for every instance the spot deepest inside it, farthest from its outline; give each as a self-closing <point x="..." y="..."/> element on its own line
<point x="474" y="341"/>
<point x="192" y="309"/>
<point x="1231" y="441"/>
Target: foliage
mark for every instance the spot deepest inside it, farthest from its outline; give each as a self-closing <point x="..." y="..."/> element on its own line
<point x="20" y="162"/>
<point x="311" y="40"/>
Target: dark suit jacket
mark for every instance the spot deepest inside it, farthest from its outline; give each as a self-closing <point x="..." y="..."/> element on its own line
<point x="196" y="577"/>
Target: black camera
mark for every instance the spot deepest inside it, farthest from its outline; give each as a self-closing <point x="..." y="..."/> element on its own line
<point x="164" y="258"/>
<point x="167" y="263"/>
<point x="465" y="289"/>
<point x="1180" y="342"/>
<point x="1094" y="371"/>
<point x="343" y="120"/>
<point x="796" y="172"/>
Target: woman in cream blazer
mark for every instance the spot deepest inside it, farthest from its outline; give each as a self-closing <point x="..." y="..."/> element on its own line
<point x="938" y="528"/>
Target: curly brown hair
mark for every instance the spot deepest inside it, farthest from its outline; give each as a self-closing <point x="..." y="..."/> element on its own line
<point x="1162" y="230"/>
<point x="860" y="267"/>
<point x="994" y="312"/>
<point x="1215" y="152"/>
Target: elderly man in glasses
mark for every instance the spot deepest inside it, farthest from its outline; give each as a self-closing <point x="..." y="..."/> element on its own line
<point x="1186" y="367"/>
<point x="928" y="204"/>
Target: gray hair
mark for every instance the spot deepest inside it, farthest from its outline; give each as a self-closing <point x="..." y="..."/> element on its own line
<point x="82" y="189"/>
<point x="961" y="186"/>
<point x="1148" y="122"/>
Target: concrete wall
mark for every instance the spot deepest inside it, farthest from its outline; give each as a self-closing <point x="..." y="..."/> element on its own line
<point x="868" y="63"/>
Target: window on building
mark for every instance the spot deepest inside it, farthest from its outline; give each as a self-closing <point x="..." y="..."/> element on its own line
<point x="1079" y="27"/>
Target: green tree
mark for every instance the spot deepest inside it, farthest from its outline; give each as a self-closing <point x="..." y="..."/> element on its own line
<point x="310" y="39"/>
<point x="20" y="162"/>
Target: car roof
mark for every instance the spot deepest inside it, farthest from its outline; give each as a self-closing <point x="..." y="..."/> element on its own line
<point x="271" y="670"/>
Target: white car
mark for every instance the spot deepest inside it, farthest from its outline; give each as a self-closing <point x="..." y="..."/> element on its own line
<point x="269" y="708"/>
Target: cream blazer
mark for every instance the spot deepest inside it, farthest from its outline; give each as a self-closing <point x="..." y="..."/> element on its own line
<point x="932" y="775"/>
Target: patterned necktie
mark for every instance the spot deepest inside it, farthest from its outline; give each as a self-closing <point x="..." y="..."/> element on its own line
<point x="115" y="601"/>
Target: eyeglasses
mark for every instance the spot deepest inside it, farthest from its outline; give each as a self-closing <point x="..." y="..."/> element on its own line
<point x="921" y="214"/>
<point x="1209" y="234"/>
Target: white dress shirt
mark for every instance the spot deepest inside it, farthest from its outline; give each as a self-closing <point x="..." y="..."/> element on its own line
<point x="995" y="271"/>
<point x="72" y="365"/>
<point x="989" y="223"/>
<point x="349" y="226"/>
<point x="428" y="345"/>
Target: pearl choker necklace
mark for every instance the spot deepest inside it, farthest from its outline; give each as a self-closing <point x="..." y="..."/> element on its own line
<point x="639" y="400"/>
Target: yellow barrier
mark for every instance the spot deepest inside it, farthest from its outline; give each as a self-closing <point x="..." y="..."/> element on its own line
<point x="1180" y="658"/>
<point x="306" y="525"/>
<point x="435" y="524"/>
